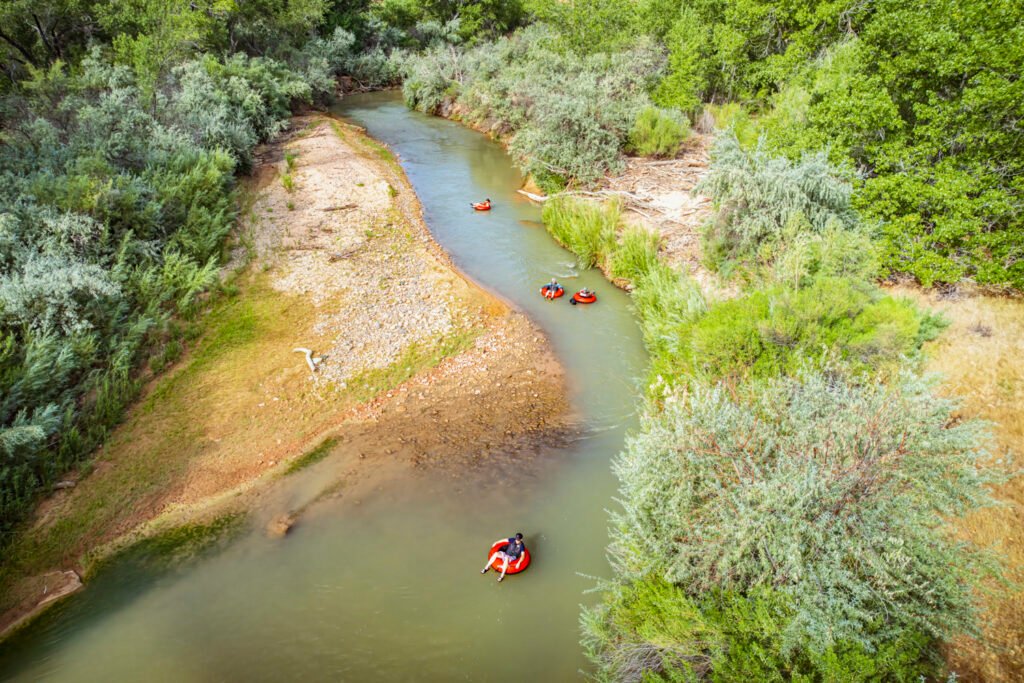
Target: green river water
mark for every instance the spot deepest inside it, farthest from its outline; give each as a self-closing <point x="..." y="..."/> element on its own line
<point x="389" y="590"/>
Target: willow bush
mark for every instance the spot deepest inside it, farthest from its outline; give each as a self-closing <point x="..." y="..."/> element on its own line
<point x="831" y="492"/>
<point x="759" y="196"/>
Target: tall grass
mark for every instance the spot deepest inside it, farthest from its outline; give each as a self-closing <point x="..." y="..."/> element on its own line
<point x="584" y="228"/>
<point x="635" y="255"/>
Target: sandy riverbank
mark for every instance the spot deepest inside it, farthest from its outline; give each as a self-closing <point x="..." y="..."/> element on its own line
<point x="420" y="368"/>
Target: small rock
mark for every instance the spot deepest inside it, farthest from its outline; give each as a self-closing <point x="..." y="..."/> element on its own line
<point x="280" y="525"/>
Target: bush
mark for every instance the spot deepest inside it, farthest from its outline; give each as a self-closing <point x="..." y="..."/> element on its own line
<point x="760" y="197"/>
<point x="658" y="133"/>
<point x="834" y="493"/>
<point x="652" y="630"/>
<point x="778" y="330"/>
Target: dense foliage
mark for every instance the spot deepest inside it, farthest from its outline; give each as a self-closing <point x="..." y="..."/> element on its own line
<point x="112" y="216"/>
<point x="567" y="116"/>
<point x="832" y="491"/>
<point x="658" y="632"/>
<point x="785" y="506"/>
<point x="121" y="137"/>
<point x="919" y="102"/>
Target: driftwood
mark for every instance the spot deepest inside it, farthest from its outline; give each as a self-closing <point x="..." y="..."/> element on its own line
<point x="342" y="255"/>
<point x="343" y="207"/>
<point x="313" y="363"/>
<point x="534" y="197"/>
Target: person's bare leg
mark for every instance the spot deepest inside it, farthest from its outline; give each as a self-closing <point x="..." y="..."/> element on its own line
<point x="490" y="561"/>
<point x="504" y="568"/>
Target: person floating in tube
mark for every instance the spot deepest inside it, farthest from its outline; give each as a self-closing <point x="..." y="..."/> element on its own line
<point x="509" y="553"/>
<point x="584" y="293"/>
<point x="551" y="289"/>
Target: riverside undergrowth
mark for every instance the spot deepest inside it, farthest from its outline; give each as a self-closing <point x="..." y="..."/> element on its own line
<point x="785" y="504"/>
<point x="118" y="162"/>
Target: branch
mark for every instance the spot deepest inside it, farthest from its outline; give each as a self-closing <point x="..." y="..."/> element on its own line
<point x="13" y="43"/>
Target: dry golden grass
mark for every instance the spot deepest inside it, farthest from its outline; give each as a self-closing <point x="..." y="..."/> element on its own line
<point x="981" y="358"/>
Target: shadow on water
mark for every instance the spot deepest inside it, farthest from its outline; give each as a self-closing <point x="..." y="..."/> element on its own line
<point x="390" y="589"/>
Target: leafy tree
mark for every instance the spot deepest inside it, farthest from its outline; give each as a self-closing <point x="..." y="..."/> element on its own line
<point x="586" y="26"/>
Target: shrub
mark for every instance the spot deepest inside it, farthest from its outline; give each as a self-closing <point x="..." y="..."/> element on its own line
<point x="778" y="330"/>
<point x="112" y="218"/>
<point x="652" y="630"/>
<point x="834" y="493"/>
<point x="658" y="132"/>
<point x="760" y="196"/>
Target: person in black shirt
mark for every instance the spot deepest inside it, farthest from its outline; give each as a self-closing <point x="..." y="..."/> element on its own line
<point x="511" y="552"/>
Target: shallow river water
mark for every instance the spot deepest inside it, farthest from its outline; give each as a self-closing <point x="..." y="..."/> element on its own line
<point x="390" y="590"/>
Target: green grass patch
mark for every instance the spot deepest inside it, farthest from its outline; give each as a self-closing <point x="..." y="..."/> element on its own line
<point x="177" y="544"/>
<point x="312" y="457"/>
<point x="416" y="358"/>
<point x="635" y="255"/>
<point x="585" y="228"/>
<point x="288" y="182"/>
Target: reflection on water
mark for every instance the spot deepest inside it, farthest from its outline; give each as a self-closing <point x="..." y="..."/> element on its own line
<point x="390" y="589"/>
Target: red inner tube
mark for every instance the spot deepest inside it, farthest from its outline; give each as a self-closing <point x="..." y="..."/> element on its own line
<point x="584" y="299"/>
<point x="482" y="207"/>
<point x="547" y="292"/>
<point x="513" y="567"/>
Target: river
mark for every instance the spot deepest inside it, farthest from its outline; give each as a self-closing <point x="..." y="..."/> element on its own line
<point x="390" y="590"/>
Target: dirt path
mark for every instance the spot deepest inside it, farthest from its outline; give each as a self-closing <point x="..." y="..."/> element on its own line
<point x="415" y="367"/>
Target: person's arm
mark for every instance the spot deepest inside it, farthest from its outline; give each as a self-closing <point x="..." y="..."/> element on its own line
<point x="522" y="556"/>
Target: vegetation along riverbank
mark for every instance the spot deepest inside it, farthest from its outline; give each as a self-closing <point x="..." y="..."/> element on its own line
<point x="787" y="504"/>
<point x="329" y="254"/>
<point x="814" y="205"/>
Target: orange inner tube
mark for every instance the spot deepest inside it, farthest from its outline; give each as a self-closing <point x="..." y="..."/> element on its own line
<point x="580" y="299"/>
<point x="482" y="206"/>
<point x="548" y="294"/>
<point x="513" y="567"/>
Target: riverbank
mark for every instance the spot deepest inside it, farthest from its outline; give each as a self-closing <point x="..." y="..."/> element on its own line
<point x="419" y="367"/>
<point x="977" y="359"/>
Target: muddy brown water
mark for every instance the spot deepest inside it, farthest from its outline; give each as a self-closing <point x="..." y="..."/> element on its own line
<point x="389" y="589"/>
